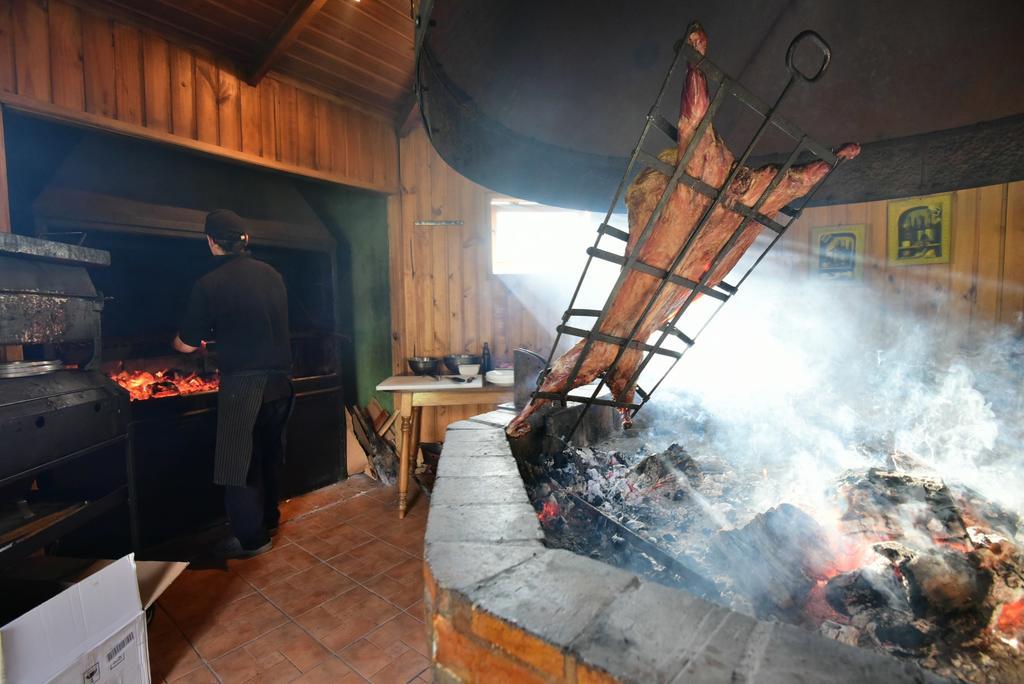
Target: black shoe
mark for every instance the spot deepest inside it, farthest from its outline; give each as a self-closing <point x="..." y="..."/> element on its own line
<point x="233" y="549"/>
<point x="272" y="531"/>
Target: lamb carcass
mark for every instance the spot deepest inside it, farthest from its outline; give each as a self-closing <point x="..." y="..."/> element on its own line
<point x="711" y="162"/>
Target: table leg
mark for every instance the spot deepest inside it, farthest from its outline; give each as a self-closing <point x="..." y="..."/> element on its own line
<point x="417" y="413"/>
<point x="404" y="451"/>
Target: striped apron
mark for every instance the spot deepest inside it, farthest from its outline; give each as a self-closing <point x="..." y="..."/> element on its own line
<point x="238" y="404"/>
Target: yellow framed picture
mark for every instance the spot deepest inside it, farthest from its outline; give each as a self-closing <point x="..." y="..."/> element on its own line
<point x="920" y="229"/>
<point x="837" y="252"/>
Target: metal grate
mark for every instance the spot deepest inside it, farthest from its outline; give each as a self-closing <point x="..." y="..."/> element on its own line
<point x="657" y="124"/>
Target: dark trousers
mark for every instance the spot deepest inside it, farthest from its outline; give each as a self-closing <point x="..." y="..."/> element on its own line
<point x="252" y="509"/>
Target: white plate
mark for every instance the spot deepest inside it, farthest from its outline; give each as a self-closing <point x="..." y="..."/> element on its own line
<point x="505" y="378"/>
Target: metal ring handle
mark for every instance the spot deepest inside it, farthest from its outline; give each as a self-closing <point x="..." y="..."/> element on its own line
<point x="826" y="51"/>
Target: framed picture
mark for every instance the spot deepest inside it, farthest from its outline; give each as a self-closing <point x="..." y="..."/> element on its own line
<point x="919" y="230"/>
<point x="838" y="252"/>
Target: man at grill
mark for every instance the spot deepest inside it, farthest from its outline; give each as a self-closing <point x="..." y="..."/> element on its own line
<point x="243" y="305"/>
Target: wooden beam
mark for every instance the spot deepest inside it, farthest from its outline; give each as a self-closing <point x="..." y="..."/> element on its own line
<point x="81" y="119"/>
<point x="422" y="21"/>
<point x="412" y="119"/>
<point x="297" y="20"/>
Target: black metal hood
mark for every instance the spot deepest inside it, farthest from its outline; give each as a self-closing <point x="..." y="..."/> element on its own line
<point x="118" y="184"/>
<point x="545" y="100"/>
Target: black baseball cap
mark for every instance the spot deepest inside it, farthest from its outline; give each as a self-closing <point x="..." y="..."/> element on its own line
<point x="226" y="226"/>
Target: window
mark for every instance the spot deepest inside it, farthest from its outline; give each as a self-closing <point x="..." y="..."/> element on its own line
<point x="530" y="238"/>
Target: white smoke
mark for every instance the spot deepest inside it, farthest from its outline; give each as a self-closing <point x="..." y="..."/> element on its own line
<point x="795" y="374"/>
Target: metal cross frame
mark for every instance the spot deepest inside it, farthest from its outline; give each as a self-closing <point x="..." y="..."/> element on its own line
<point x="722" y="291"/>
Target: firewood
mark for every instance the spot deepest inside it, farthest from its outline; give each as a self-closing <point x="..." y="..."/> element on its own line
<point x="381" y="455"/>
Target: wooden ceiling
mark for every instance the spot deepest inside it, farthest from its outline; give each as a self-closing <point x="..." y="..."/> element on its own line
<point x="361" y="50"/>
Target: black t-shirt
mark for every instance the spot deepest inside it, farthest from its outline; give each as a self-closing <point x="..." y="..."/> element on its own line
<point x="243" y="305"/>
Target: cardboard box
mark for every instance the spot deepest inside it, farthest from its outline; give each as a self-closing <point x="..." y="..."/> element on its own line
<point x="94" y="632"/>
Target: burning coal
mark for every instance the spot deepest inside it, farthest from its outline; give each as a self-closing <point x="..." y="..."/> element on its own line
<point x="142" y="385"/>
<point x="839" y="461"/>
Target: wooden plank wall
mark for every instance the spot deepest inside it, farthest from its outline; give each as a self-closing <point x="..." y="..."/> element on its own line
<point x="444" y="299"/>
<point x="69" y="62"/>
<point x="983" y="285"/>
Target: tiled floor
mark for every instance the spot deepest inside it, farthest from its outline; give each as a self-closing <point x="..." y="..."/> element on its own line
<point x="338" y="599"/>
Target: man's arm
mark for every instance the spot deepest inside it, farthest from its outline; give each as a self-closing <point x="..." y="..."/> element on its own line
<point x="182" y="347"/>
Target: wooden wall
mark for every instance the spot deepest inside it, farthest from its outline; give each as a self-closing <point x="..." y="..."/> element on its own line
<point x="983" y="284"/>
<point x="444" y="298"/>
<point x="71" y="63"/>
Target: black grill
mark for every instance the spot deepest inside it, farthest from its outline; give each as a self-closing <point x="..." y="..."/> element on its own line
<point x="55" y="408"/>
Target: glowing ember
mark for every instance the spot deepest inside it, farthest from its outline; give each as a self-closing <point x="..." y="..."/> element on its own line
<point x="550" y="510"/>
<point x="142" y="385"/>
<point x="1011" y="618"/>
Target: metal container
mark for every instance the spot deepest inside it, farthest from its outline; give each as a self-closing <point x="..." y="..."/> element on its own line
<point x="424" y="365"/>
<point x="453" y="361"/>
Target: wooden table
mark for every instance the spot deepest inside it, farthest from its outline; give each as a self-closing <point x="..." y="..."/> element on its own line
<point x="412" y="393"/>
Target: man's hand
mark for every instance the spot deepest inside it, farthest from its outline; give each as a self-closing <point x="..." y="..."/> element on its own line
<point x="182" y="347"/>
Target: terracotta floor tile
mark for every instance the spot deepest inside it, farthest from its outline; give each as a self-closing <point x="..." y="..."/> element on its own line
<point x="293" y="643"/>
<point x="417" y="610"/>
<point x="402" y="595"/>
<point x="276" y="564"/>
<point x="201" y="675"/>
<point x="383" y="493"/>
<point x="362" y="508"/>
<point x="220" y="612"/>
<point x="329" y="540"/>
<point x="281" y="655"/>
<point x="408" y="572"/>
<point x="334" y="541"/>
<point x="380" y="519"/>
<point x="345" y="619"/>
<point x="348" y="631"/>
<point x="236" y="666"/>
<point x="367" y="658"/>
<point x="293" y="508"/>
<point x="359" y="483"/>
<point x="403" y="669"/>
<point x="282" y="673"/>
<point x="401" y="529"/>
<point x="403" y="628"/>
<point x="409" y="540"/>
<point x="319" y="621"/>
<point x="214" y="638"/>
<point x="331" y="671"/>
<point x="171" y="656"/>
<point x="306" y="589"/>
<point x="326" y="616"/>
<point x="372" y="558"/>
<point x="303" y="528"/>
<point x="427" y="676"/>
<point x="196" y="593"/>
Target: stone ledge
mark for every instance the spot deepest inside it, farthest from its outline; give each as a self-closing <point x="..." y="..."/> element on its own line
<point x="458" y="466"/>
<point x="497" y="523"/>
<point x="478" y="489"/>
<point x="501" y="605"/>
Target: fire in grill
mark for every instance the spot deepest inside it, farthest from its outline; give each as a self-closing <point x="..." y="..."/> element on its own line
<point x="895" y="560"/>
<point x="142" y="385"/>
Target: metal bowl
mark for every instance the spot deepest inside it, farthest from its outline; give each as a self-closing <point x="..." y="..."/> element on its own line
<point x="424" y="365"/>
<point x="453" y="361"/>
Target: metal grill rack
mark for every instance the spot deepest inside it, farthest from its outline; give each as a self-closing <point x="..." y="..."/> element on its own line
<point x="721" y="292"/>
